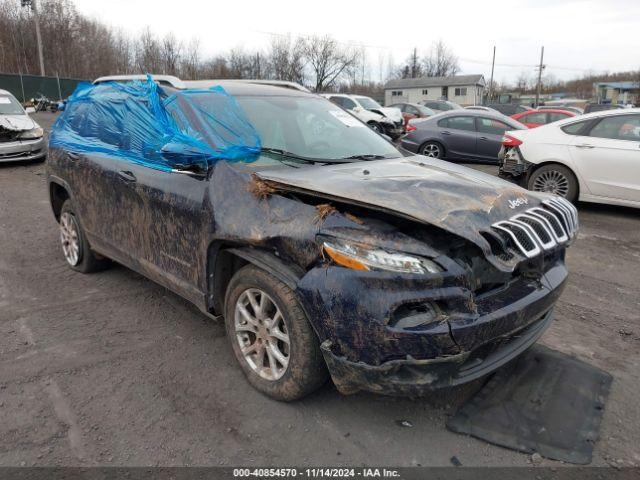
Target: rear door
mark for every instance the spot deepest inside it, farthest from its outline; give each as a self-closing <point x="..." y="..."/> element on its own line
<point x="607" y="157"/>
<point x="458" y="133"/>
<point x="490" y="132"/>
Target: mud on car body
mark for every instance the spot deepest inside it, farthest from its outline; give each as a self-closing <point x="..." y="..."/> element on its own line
<point x="330" y="251"/>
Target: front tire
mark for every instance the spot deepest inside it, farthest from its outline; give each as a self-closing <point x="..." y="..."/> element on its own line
<point x="271" y="337"/>
<point x="75" y="247"/>
<point x="376" y="127"/>
<point x="556" y="179"/>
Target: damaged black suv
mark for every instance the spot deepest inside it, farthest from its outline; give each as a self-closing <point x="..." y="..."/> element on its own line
<point x="326" y="249"/>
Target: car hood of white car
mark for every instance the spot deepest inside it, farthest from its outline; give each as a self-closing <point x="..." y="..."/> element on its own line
<point x="391" y="113"/>
<point x="17" y="122"/>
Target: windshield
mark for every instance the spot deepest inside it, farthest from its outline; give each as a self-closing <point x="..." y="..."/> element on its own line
<point x="10" y="106"/>
<point x="368" y="103"/>
<point x="311" y="127"/>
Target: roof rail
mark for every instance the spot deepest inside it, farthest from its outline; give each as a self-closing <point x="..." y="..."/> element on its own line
<point x="169" y="80"/>
<point x="175" y="82"/>
<point x="220" y="81"/>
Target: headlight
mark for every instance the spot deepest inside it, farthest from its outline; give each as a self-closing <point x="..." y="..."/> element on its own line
<point x="363" y="257"/>
<point x="31" y="134"/>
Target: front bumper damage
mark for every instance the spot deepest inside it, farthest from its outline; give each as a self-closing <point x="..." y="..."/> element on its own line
<point x="393" y="129"/>
<point x="23" y="150"/>
<point x="474" y="337"/>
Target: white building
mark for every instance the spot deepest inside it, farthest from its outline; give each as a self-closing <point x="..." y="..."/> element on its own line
<point x="462" y="89"/>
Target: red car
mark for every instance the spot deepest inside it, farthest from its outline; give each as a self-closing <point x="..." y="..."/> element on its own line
<point x="535" y="118"/>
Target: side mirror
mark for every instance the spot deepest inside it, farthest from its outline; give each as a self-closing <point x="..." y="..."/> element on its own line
<point x="182" y="159"/>
<point x="30" y="110"/>
<point x="62" y="106"/>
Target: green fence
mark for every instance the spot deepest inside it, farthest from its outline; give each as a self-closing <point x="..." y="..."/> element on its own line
<point x="25" y="87"/>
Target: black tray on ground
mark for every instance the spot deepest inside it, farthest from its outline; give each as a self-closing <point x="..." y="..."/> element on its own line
<point x="544" y="401"/>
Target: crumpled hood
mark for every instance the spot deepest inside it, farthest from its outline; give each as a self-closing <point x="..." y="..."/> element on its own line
<point x="17" y="122"/>
<point x="455" y="198"/>
<point x="391" y="113"/>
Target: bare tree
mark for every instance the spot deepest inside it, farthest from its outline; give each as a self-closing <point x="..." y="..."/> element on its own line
<point x="170" y="52"/>
<point x="286" y="59"/>
<point x="328" y="60"/>
<point x="441" y="62"/>
<point x="190" y="62"/>
<point x="148" y="53"/>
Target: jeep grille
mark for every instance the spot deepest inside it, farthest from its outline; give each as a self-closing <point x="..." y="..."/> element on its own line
<point x="538" y="229"/>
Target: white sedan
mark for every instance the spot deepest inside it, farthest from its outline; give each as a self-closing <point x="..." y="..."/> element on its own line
<point x="593" y="157"/>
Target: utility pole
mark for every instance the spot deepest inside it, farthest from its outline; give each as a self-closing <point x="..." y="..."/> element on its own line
<point x="540" y="68"/>
<point x="493" y="63"/>
<point x="34" y="7"/>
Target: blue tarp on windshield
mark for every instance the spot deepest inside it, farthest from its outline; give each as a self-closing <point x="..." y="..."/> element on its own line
<point x="135" y="122"/>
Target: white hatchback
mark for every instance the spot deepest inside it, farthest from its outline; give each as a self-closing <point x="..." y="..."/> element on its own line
<point x="593" y="157"/>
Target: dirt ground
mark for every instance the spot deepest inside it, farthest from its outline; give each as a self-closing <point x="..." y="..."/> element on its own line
<point x="112" y="369"/>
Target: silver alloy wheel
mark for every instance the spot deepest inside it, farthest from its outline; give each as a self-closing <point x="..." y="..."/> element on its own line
<point x="70" y="238"/>
<point x="431" y="150"/>
<point x="377" y="128"/>
<point x="262" y="334"/>
<point x="552" y="181"/>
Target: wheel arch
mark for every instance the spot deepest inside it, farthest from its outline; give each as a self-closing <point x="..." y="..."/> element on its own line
<point x="537" y="166"/>
<point x="59" y="192"/>
<point x="225" y="259"/>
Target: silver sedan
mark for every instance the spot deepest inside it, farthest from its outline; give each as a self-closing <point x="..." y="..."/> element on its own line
<point x="21" y="138"/>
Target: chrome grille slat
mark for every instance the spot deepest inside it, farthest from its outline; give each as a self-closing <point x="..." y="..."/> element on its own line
<point x="544" y="231"/>
<point x="540" y="228"/>
<point x="540" y="213"/>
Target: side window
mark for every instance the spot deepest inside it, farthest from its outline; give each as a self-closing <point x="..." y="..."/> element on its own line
<point x="462" y="123"/>
<point x="619" y="127"/>
<point x="554" y="117"/>
<point x="538" y="117"/>
<point x="412" y="110"/>
<point x="491" y="126"/>
<point x="348" y="103"/>
<point x="575" y="128"/>
<point x="336" y="100"/>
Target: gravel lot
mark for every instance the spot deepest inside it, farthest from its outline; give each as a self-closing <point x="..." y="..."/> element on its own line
<point x="112" y="369"/>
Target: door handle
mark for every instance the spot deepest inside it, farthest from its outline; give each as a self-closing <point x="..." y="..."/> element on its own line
<point x="127" y="176"/>
<point x="585" y="145"/>
<point x="445" y="132"/>
<point x="484" y="138"/>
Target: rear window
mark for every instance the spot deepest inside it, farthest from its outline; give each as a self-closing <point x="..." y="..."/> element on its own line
<point x="539" y="117"/>
<point x="575" y="128"/>
<point x="458" y="123"/>
<point x="10" y="106"/>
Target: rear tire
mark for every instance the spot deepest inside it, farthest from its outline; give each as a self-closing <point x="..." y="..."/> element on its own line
<point x="432" y="150"/>
<point x="75" y="246"/>
<point x="554" y="178"/>
<point x="258" y="335"/>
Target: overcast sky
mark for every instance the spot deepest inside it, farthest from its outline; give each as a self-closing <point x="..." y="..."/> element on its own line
<point x="578" y="35"/>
